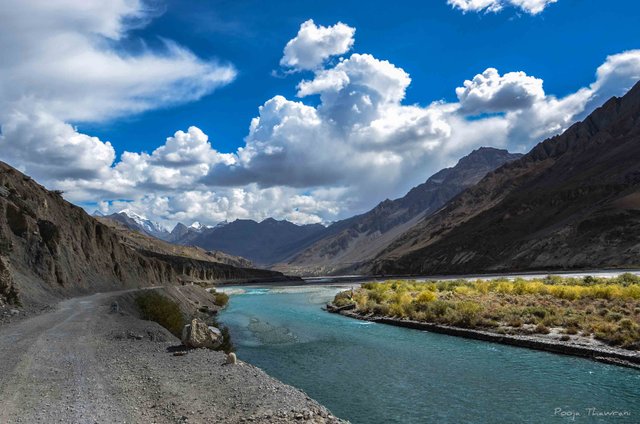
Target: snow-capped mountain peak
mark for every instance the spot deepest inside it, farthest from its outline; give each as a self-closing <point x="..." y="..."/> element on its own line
<point x="198" y="226"/>
<point x="148" y="225"/>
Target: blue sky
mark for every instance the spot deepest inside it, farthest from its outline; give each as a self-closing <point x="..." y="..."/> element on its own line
<point x="437" y="46"/>
<point x="307" y="111"/>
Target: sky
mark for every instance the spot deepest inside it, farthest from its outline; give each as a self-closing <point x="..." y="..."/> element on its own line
<point x="307" y="111"/>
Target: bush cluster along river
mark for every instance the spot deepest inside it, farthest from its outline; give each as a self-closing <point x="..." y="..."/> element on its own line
<point x="373" y="373"/>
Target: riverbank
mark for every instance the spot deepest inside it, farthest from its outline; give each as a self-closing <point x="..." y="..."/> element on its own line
<point x="604" y="354"/>
<point x="595" y="317"/>
<point x="82" y="363"/>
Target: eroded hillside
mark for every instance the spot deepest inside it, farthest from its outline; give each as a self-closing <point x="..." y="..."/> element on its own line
<point x="51" y="248"/>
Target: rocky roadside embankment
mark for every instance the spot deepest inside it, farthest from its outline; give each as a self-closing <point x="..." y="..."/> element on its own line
<point x="83" y="363"/>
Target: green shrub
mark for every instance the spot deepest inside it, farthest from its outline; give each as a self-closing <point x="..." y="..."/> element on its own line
<point x="155" y="307"/>
<point x="553" y="279"/>
<point x="221" y="299"/>
<point x="227" y="344"/>
<point x="465" y="314"/>
<point x="605" y="307"/>
<point x="438" y="308"/>
<point x="343" y="298"/>
<point x="542" y="329"/>
<point x="629" y="278"/>
<point x="381" y="309"/>
<point x="426" y="296"/>
<point x="514" y="321"/>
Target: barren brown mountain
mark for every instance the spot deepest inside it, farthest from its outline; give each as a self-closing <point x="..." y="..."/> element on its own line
<point x="572" y="202"/>
<point x="50" y="248"/>
<point x="350" y="242"/>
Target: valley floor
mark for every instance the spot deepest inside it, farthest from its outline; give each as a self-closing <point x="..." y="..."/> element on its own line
<point x="82" y="364"/>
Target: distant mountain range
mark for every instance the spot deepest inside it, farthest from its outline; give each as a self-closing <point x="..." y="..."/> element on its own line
<point x="346" y="244"/>
<point x="144" y="225"/>
<point x="573" y="202"/>
<point x="263" y="243"/>
<point x="315" y="249"/>
<point x="137" y="222"/>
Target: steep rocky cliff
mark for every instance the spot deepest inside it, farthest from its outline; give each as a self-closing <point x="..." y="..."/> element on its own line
<point x="572" y="202"/>
<point x="51" y="248"/>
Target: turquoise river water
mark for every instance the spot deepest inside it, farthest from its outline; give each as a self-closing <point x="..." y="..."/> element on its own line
<point x="372" y="373"/>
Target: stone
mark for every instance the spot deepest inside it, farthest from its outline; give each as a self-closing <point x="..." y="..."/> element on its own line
<point x="199" y="335"/>
<point x="231" y="359"/>
<point x="115" y="308"/>
<point x="14" y="312"/>
<point x="134" y="336"/>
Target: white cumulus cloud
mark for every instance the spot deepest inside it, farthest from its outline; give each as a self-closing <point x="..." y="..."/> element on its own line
<point x="355" y="143"/>
<point x="491" y="92"/>
<point x="532" y="7"/>
<point x="62" y="61"/>
<point x="316" y="43"/>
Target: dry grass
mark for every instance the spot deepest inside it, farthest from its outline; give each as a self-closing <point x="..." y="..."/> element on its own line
<point x="608" y="309"/>
<point x="155" y="307"/>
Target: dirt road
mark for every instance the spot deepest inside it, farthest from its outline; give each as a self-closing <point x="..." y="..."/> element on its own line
<point x="83" y="364"/>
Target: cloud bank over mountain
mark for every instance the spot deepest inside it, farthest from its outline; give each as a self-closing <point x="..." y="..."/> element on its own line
<point x="347" y="141"/>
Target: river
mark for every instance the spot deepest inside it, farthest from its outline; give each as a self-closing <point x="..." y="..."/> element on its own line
<point x="373" y="373"/>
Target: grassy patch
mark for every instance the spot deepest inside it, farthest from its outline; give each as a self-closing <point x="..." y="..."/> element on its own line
<point x="607" y="308"/>
<point x="155" y="307"/>
<point x="220" y="299"/>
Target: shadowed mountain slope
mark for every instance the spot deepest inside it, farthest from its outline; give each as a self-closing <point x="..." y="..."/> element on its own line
<point x="262" y="243"/>
<point x="572" y="202"/>
<point x="348" y="243"/>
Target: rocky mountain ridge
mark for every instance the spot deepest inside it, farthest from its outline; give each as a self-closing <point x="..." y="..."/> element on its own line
<point x="139" y="223"/>
<point x="263" y="243"/>
<point x="346" y="244"/>
<point x="572" y="202"/>
<point x="50" y="248"/>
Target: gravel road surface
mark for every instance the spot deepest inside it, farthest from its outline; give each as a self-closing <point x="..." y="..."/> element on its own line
<point x="82" y="364"/>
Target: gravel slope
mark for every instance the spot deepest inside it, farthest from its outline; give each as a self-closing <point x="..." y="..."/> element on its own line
<point x="82" y="364"/>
